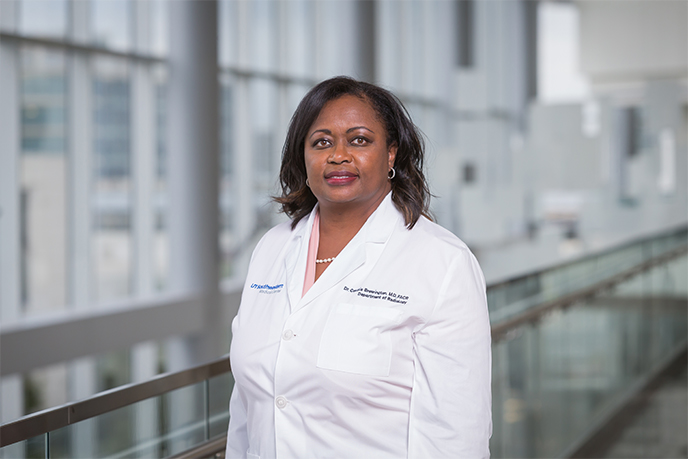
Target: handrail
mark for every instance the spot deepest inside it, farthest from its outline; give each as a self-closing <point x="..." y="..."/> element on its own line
<point x="500" y="330"/>
<point x="81" y="47"/>
<point x="58" y="417"/>
<point x="615" y="248"/>
<point x="205" y="449"/>
<point x="61" y="416"/>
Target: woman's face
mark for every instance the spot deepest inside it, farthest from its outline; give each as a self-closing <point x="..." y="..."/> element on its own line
<point x="346" y="155"/>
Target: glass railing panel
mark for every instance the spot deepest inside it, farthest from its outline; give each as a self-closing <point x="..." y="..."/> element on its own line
<point x="547" y="401"/>
<point x="31" y="448"/>
<point x="76" y="440"/>
<point x="108" y="435"/>
<point x="556" y="379"/>
<point x="184" y="414"/>
<point x="507" y="300"/>
<point x="147" y="440"/>
<point x="220" y="389"/>
<point x="668" y="285"/>
<point x="156" y="427"/>
<point x="159" y="426"/>
<point x="60" y="443"/>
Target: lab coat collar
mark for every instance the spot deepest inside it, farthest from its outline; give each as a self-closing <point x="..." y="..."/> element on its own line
<point x="364" y="249"/>
<point x="296" y="258"/>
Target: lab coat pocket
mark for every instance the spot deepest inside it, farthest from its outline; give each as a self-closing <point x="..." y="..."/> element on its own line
<point x="356" y="339"/>
<point x="252" y="456"/>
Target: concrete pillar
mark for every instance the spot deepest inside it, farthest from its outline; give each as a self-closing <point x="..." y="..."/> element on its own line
<point x="10" y="237"/>
<point x="531" y="58"/>
<point x="364" y="38"/>
<point x="193" y="148"/>
<point x="11" y="387"/>
<point x="193" y="186"/>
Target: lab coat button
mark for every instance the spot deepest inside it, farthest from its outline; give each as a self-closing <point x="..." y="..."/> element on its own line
<point x="287" y="335"/>
<point x="281" y="402"/>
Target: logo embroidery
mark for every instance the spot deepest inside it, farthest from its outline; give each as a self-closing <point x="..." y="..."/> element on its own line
<point x="267" y="289"/>
<point x="378" y="294"/>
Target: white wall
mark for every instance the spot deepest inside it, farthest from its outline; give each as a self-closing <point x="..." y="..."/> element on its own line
<point x="627" y="40"/>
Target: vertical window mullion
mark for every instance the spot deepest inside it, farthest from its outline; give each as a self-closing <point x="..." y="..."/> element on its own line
<point x="10" y="236"/>
<point x="80" y="135"/>
<point x="142" y="145"/>
<point x="80" y="139"/>
<point x="143" y="134"/>
<point x="11" y="388"/>
<point x="245" y="215"/>
<point x="243" y="168"/>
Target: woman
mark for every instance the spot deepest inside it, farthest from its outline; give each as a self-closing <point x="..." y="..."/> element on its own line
<point x="363" y="328"/>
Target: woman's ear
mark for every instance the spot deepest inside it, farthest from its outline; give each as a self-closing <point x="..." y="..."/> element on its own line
<point x="391" y="155"/>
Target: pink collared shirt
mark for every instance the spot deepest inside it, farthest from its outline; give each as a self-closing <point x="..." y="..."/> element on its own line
<point x="309" y="279"/>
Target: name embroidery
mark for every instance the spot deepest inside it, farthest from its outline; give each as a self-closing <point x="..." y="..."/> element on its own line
<point x="267" y="289"/>
<point x="378" y="294"/>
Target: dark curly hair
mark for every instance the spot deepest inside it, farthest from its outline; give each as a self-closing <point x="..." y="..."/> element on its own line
<point x="410" y="192"/>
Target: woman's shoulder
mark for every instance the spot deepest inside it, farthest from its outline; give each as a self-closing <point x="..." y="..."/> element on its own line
<point x="280" y="231"/>
<point x="278" y="234"/>
<point x="446" y="249"/>
<point x="277" y="237"/>
<point x="437" y="236"/>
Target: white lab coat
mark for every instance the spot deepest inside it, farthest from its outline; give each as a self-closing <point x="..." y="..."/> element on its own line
<point x="386" y="356"/>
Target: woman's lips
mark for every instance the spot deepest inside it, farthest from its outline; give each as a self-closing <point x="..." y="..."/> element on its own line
<point x="340" y="177"/>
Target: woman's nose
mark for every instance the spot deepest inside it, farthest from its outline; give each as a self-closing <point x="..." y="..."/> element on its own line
<point x="339" y="154"/>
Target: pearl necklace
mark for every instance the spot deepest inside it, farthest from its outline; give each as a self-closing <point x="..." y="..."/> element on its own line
<point x="325" y="260"/>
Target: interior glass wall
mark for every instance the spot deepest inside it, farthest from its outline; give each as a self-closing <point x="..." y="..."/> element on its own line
<point x="44" y="172"/>
<point x="90" y="81"/>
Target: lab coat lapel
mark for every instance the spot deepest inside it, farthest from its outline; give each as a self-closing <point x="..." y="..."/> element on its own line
<point x="350" y="259"/>
<point x="363" y="250"/>
<point x="295" y="260"/>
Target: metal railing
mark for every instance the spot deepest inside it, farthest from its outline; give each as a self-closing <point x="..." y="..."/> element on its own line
<point x="61" y="416"/>
<point x="536" y="311"/>
<point x="631" y="260"/>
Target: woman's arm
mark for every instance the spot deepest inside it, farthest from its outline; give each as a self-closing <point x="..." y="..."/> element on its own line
<point x="451" y="398"/>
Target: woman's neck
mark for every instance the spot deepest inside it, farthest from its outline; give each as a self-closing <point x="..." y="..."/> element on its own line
<point x="343" y="221"/>
<point x="338" y="225"/>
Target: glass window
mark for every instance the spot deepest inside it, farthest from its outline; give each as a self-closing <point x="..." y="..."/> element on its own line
<point x="111" y="23"/>
<point x="111" y="198"/>
<point x="45" y="18"/>
<point x="263" y="30"/>
<point x="300" y="37"/>
<point x="228" y="11"/>
<point x="390" y="40"/>
<point x="161" y="247"/>
<point x="266" y="150"/>
<point x="559" y="77"/>
<point x="159" y="27"/>
<point x="44" y="180"/>
<point x="412" y="56"/>
<point x="227" y="182"/>
<point x="335" y="44"/>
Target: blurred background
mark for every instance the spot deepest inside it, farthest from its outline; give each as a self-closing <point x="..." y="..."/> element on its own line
<point x="140" y="143"/>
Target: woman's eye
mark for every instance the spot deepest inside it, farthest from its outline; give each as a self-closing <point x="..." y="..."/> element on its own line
<point x="359" y="141"/>
<point x="321" y="143"/>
